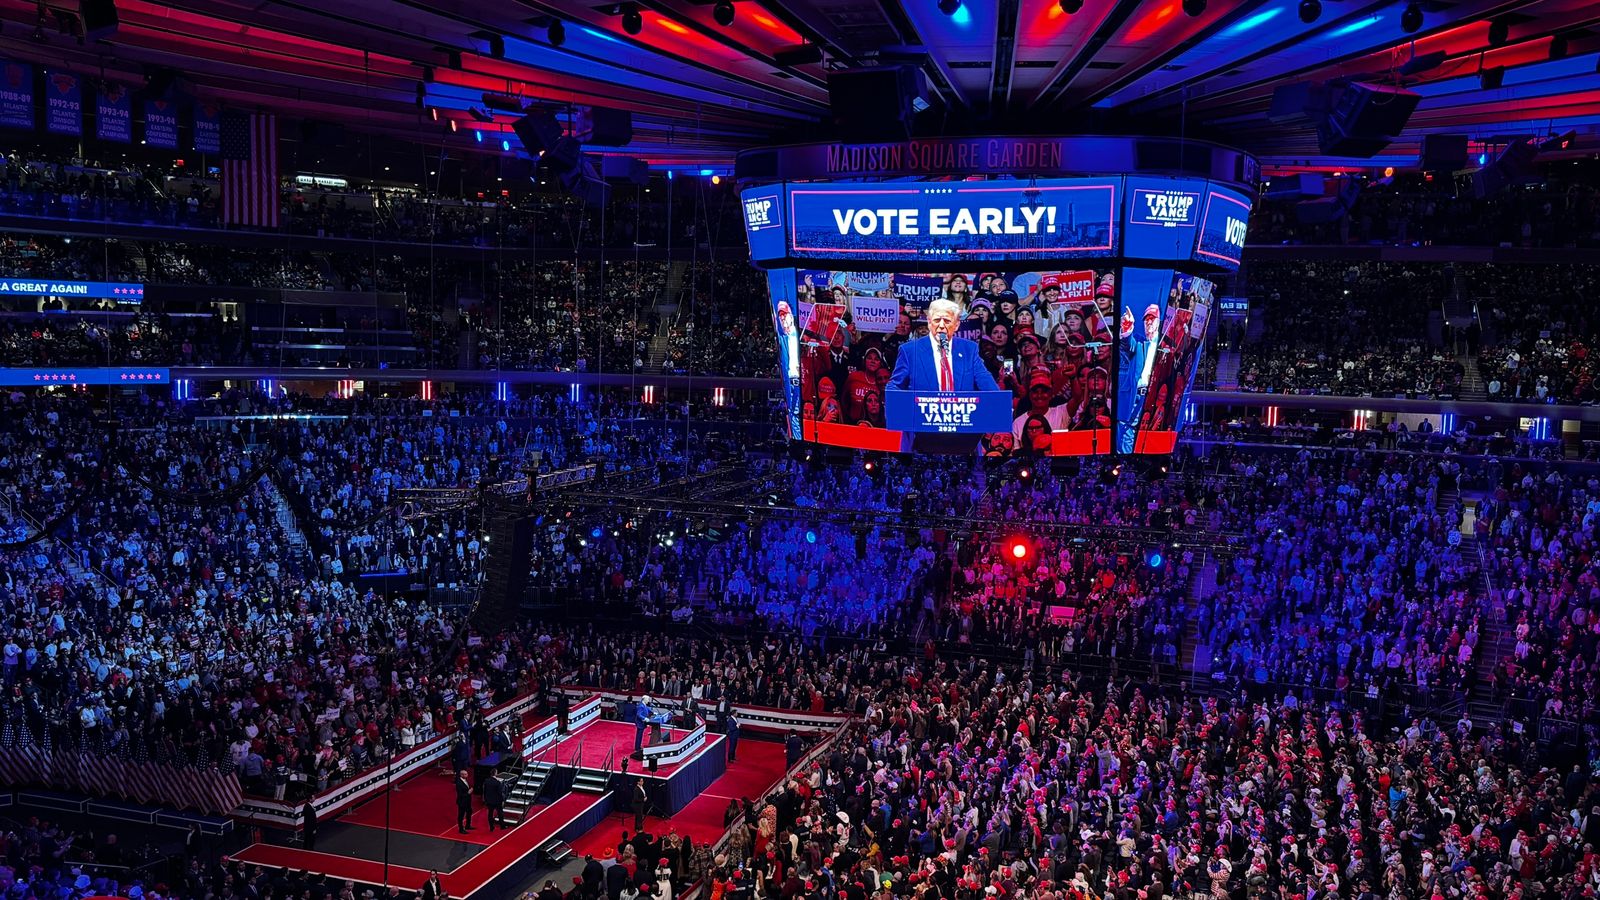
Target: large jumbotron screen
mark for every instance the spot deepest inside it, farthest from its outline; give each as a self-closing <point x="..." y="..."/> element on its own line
<point x="1040" y="318"/>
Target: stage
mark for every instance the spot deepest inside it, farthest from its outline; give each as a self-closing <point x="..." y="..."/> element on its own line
<point x="577" y="794"/>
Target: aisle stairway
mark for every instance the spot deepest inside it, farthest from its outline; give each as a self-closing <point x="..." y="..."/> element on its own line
<point x="299" y="546"/>
<point x="1228" y="370"/>
<point x="1194" y="652"/>
<point x="1472" y="385"/>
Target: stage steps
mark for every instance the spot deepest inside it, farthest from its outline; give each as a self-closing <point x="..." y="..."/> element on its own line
<point x="555" y="852"/>
<point x="593" y="782"/>
<point x="525" y="790"/>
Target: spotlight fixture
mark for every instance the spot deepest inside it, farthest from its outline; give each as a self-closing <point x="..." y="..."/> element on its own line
<point x="1558" y="47"/>
<point x="1070" y="6"/>
<point x="949" y="7"/>
<point x="1499" y="33"/>
<point x="632" y="22"/>
<point x="556" y="33"/>
<point x="1194" y="8"/>
<point x="723" y="12"/>
<point x="1411" y="19"/>
<point x="1310" y="10"/>
<point x="1490" y="79"/>
<point x="479" y="114"/>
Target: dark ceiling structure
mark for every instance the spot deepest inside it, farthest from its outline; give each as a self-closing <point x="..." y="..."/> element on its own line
<point x="706" y="79"/>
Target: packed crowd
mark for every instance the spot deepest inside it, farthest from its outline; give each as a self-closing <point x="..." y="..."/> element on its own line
<point x="1354" y="330"/>
<point x="383" y="207"/>
<point x="170" y="617"/>
<point x="1413" y="212"/>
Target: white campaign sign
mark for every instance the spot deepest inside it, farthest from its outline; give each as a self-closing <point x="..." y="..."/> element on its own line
<point x="876" y="314"/>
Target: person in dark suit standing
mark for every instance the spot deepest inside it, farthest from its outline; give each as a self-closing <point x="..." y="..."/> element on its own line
<point x="463" y="802"/>
<point x="616" y="881"/>
<point x="732" y="728"/>
<point x="433" y="889"/>
<point x="308" y="825"/>
<point x="494" y="799"/>
<point x="594" y="876"/>
<point x="793" y="749"/>
<point x="563" y="710"/>
<point x="941" y="361"/>
<point x="641" y="801"/>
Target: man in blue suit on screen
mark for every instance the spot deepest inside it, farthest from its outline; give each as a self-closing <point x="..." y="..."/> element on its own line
<point x="941" y="361"/>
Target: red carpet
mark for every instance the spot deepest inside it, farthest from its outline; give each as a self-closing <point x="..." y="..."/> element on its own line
<point x="425" y="805"/>
<point x="494" y="859"/>
<point x="758" y="768"/>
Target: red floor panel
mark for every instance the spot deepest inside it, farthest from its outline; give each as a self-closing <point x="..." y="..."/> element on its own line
<point x="426" y="805"/>
<point x="758" y="768"/>
<point x="461" y="882"/>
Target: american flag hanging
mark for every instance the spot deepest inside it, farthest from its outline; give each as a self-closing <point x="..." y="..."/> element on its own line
<point x="250" y="169"/>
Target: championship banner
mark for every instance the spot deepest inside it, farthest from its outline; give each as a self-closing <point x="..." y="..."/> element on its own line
<point x="63" y="110"/>
<point x="161" y="124"/>
<point x="207" y="128"/>
<point x="114" y="114"/>
<point x="949" y="412"/>
<point x="124" y="292"/>
<point x="16" y="96"/>
<point x="875" y="314"/>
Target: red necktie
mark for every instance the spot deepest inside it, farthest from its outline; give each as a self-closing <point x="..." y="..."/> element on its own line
<point x="946" y="380"/>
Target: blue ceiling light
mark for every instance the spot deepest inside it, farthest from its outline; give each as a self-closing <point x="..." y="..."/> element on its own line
<point x="962" y="16"/>
<point x="478" y="135"/>
<point x="706" y="172"/>
<point x="506" y="146"/>
<point x="1483" y="159"/>
<point x="1353" y="27"/>
<point x="1253" y="22"/>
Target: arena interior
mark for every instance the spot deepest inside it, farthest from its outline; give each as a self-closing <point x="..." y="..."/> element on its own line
<point x="799" y="449"/>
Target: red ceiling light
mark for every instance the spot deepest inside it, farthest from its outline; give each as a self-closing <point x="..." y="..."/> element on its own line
<point x="1152" y="21"/>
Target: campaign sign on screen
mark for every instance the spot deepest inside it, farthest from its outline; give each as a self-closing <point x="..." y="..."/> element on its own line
<point x="1222" y="230"/>
<point x="949" y="412"/>
<point x="1163" y="215"/>
<point x="878" y="315"/>
<point x="763" y="222"/>
<point x="995" y="219"/>
<point x="120" y="291"/>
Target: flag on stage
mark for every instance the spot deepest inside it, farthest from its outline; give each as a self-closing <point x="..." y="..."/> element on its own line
<point x="250" y="169"/>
